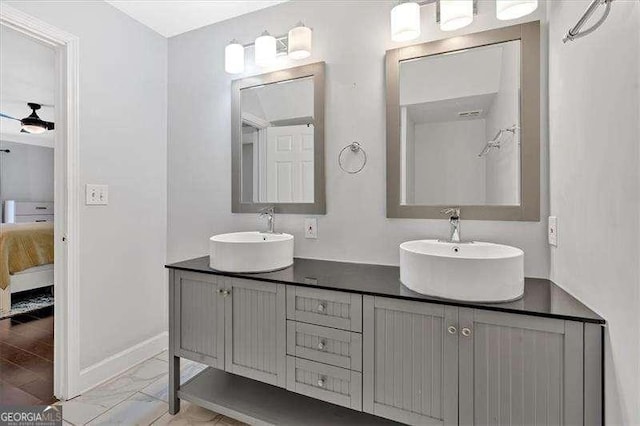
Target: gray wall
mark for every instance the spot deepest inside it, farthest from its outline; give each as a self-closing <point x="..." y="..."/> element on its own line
<point x="123" y="86"/>
<point x="351" y="37"/>
<point x="595" y="184"/>
<point x="26" y="173"/>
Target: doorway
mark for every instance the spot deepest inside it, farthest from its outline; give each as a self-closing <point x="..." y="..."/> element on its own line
<point x="51" y="332"/>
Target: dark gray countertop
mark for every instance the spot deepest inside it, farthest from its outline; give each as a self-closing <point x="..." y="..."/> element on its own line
<point x="541" y="297"/>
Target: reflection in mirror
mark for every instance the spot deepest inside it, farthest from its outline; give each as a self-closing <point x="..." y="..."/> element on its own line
<point x="459" y="125"/>
<point x="277" y="156"/>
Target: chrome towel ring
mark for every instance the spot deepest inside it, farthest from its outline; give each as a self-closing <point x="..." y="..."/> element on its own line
<point x="355" y="148"/>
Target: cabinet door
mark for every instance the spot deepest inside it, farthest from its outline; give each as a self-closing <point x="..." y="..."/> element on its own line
<point x="199" y="317"/>
<point x="255" y="345"/>
<point x="517" y="369"/>
<point x="410" y="361"/>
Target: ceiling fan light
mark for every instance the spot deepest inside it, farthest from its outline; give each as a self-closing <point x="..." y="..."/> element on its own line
<point x="405" y="21"/>
<point x="514" y="9"/>
<point x="455" y="14"/>
<point x="234" y="58"/>
<point x="33" y="128"/>
<point x="300" y="42"/>
<point x="265" y="50"/>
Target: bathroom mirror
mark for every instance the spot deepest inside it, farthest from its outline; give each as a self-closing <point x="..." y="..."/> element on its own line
<point x="463" y="126"/>
<point x="278" y="141"/>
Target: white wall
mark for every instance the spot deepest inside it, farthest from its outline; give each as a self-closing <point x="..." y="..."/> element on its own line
<point x="26" y="173"/>
<point x="446" y="164"/>
<point x="123" y="86"/>
<point x="595" y="184"/>
<point x="355" y="227"/>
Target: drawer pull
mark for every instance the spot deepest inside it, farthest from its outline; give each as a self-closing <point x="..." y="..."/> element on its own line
<point x="322" y="345"/>
<point x="466" y="332"/>
<point x="322" y="382"/>
<point x="322" y="307"/>
<point x="452" y="329"/>
<point x="40" y="208"/>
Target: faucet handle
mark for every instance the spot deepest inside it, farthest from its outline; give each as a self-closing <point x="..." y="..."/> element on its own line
<point x="270" y="211"/>
<point x="453" y="212"/>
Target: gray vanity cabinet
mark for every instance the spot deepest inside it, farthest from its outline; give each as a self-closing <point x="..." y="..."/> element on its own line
<point x="199" y="312"/>
<point x="410" y="361"/>
<point x="383" y="358"/>
<point x="436" y="364"/>
<point x="255" y="335"/>
<point x="231" y="324"/>
<point x="518" y="369"/>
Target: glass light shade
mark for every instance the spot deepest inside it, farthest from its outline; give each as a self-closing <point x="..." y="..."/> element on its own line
<point x="300" y="42"/>
<point x="405" y="21"/>
<point x="265" y="50"/>
<point x="33" y="129"/>
<point x="514" y="9"/>
<point x="234" y="58"/>
<point x="455" y="14"/>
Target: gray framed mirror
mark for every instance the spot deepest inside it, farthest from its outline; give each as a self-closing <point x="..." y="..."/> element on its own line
<point x="277" y="141"/>
<point x="463" y="126"/>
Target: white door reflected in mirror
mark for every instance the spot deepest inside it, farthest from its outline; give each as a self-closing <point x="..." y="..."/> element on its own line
<point x="277" y="153"/>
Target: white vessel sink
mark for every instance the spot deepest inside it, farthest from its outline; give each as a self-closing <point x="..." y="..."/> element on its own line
<point x="250" y="252"/>
<point x="475" y="272"/>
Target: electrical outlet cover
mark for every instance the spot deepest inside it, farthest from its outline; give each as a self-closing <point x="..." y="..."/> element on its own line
<point x="553" y="231"/>
<point x="311" y="227"/>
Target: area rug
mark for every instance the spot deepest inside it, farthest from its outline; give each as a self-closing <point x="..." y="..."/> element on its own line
<point x="26" y="305"/>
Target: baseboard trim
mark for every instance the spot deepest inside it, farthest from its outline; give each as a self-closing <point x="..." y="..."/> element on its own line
<point x="114" y="365"/>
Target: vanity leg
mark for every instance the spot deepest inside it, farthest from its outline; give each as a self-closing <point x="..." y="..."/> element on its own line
<point x="174" y="384"/>
<point x="174" y="361"/>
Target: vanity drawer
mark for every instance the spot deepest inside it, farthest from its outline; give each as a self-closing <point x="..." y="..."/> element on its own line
<point x="328" y="345"/>
<point x="325" y="307"/>
<point x="330" y="384"/>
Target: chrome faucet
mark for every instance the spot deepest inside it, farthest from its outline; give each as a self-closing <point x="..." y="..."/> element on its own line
<point x="270" y="213"/>
<point x="454" y="221"/>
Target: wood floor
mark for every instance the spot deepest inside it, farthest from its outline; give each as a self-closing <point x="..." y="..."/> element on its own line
<point x="26" y="358"/>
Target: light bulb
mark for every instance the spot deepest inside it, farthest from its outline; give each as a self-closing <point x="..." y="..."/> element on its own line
<point x="514" y="9"/>
<point x="405" y="21"/>
<point x="455" y="14"/>
<point x="300" y="42"/>
<point x="265" y="50"/>
<point x="234" y="58"/>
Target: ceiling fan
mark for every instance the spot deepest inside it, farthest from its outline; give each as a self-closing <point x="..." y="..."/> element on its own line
<point x="32" y="123"/>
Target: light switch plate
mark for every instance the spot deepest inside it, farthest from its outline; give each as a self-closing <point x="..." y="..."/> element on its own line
<point x="311" y="227"/>
<point x="553" y="231"/>
<point x="97" y="195"/>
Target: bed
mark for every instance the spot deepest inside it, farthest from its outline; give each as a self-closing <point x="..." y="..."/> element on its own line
<point x="26" y="249"/>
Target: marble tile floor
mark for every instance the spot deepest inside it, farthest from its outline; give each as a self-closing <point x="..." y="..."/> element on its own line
<point x="139" y="397"/>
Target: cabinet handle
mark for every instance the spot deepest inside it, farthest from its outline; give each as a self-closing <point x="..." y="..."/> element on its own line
<point x="224" y="292"/>
<point x="322" y="345"/>
<point x="452" y="329"/>
<point x="466" y="332"/>
<point x="322" y="307"/>
<point x="322" y="381"/>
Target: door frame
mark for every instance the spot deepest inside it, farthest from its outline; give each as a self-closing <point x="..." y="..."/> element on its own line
<point x="66" y="373"/>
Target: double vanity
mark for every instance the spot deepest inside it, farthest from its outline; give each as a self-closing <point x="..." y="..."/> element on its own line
<point x="323" y="342"/>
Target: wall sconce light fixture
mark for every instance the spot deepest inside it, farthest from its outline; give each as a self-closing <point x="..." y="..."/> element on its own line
<point x="296" y="44"/>
<point x="451" y="14"/>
